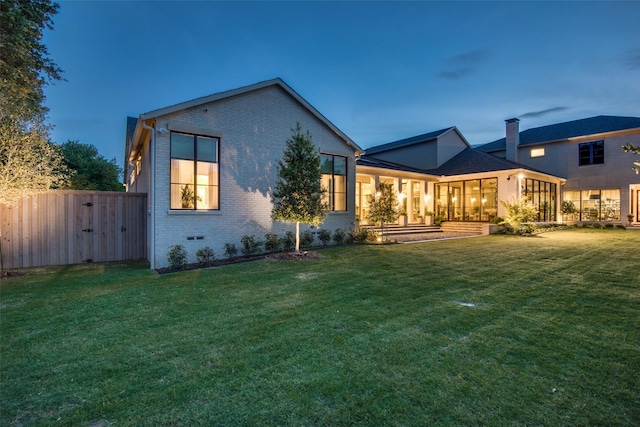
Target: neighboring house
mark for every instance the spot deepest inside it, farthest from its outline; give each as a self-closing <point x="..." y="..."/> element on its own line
<point x="440" y="173"/>
<point x="587" y="152"/>
<point x="209" y="166"/>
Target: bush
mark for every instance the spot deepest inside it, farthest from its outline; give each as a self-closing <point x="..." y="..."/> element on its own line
<point x="361" y="235"/>
<point x="177" y="256"/>
<point x="527" y="228"/>
<point x="271" y="242"/>
<point x="288" y="241"/>
<point x="205" y="254"/>
<point x="338" y="236"/>
<point x="250" y="246"/>
<point x="437" y="220"/>
<point x="518" y="212"/>
<point x="324" y="236"/>
<point x="306" y="239"/>
<point x="497" y="220"/>
<point x="230" y="250"/>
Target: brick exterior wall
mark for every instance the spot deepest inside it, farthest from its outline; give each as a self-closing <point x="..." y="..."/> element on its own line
<point x="253" y="128"/>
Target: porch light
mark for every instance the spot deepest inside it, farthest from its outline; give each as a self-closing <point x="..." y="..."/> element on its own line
<point x="520" y="175"/>
<point x="427" y="197"/>
<point x="402" y="196"/>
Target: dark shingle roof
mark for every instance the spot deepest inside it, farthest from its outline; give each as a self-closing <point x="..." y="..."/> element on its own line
<point x="560" y="131"/>
<point x="471" y="160"/>
<point x="366" y="160"/>
<point x="407" y="141"/>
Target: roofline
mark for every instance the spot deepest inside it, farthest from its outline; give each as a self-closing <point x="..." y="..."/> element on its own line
<point x="381" y="148"/>
<point x="245" y="89"/>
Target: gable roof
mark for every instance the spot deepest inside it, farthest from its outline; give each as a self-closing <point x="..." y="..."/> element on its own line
<point x="471" y="160"/>
<point x="131" y="127"/>
<point x="373" y="162"/>
<point x="413" y="140"/>
<point x="562" y="131"/>
<point x="245" y="89"/>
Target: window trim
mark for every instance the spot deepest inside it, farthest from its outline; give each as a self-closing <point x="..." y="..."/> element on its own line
<point x="591" y="145"/>
<point x="195" y="170"/>
<point x="331" y="192"/>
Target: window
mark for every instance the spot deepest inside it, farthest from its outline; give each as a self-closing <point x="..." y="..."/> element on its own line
<point x="591" y="153"/>
<point x="542" y="195"/>
<point x="594" y="205"/>
<point x="537" y="152"/>
<point x="334" y="180"/>
<point x="473" y="200"/>
<point x="194" y="172"/>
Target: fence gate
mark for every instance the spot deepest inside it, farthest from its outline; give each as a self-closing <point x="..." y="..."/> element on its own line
<point x="71" y="227"/>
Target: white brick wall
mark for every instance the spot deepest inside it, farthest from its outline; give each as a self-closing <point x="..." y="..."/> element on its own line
<point x="253" y="128"/>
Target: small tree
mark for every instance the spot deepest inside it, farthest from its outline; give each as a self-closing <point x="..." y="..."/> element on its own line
<point x="298" y="194"/>
<point x="383" y="205"/>
<point x="92" y="170"/>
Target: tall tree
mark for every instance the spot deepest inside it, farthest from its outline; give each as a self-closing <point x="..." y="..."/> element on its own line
<point x="298" y="195"/>
<point x="28" y="162"/>
<point x="92" y="170"/>
<point x="383" y="205"/>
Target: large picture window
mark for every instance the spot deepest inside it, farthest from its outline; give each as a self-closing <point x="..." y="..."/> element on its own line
<point x="594" y="205"/>
<point x="591" y="153"/>
<point x="542" y="195"/>
<point x="334" y="179"/>
<point x="194" y="172"/>
<point x="473" y="200"/>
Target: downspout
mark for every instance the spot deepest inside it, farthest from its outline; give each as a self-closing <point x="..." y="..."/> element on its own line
<point x="152" y="196"/>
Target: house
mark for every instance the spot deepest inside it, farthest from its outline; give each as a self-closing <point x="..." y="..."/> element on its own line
<point x="209" y="166"/>
<point x="440" y="173"/>
<point x="587" y="153"/>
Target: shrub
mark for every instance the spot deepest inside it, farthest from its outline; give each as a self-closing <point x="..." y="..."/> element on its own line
<point x="338" y="236"/>
<point x="250" y="245"/>
<point x="519" y="211"/>
<point x="177" y="256"/>
<point x="527" y="228"/>
<point x="324" y="236"/>
<point x="306" y="239"/>
<point x="288" y="241"/>
<point x="205" y="254"/>
<point x="271" y="242"/>
<point x="497" y="220"/>
<point x="361" y="235"/>
<point x="230" y="250"/>
<point x="437" y="220"/>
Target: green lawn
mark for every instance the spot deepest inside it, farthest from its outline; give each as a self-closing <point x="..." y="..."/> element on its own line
<point x="496" y="330"/>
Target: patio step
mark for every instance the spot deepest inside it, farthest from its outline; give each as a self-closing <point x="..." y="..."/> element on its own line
<point x="394" y="229"/>
<point x="462" y="227"/>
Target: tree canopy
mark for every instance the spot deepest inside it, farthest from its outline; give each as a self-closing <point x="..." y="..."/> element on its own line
<point x="383" y="205"/>
<point x="298" y="195"/>
<point x="28" y="162"/>
<point x="630" y="148"/>
<point x="90" y="170"/>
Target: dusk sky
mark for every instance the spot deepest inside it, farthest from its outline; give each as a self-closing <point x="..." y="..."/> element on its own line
<point x="380" y="71"/>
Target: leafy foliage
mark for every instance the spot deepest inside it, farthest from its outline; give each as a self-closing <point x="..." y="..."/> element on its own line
<point x="324" y="236"/>
<point x="230" y="250"/>
<point x="205" y="254"/>
<point x="630" y="148"/>
<point x="519" y="211"/>
<point x="298" y="194"/>
<point x="339" y="236"/>
<point x="177" y="256"/>
<point x="306" y="239"/>
<point x="271" y="242"/>
<point x="28" y="162"/>
<point x="250" y="245"/>
<point x="383" y="205"/>
<point x="361" y="235"/>
<point x="288" y="241"/>
<point x="92" y="170"/>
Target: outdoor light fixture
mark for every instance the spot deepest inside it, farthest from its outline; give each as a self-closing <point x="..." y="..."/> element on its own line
<point x="427" y="197"/>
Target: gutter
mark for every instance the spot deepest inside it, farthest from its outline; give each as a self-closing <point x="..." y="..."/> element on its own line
<point x="152" y="195"/>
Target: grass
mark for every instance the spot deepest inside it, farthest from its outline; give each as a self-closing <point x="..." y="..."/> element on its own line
<point x="496" y="330"/>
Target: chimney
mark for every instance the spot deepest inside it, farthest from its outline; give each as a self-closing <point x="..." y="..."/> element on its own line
<point x="513" y="139"/>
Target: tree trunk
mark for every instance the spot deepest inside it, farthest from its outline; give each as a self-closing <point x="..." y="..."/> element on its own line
<point x="297" y="236"/>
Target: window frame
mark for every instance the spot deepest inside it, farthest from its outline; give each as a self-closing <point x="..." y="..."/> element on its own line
<point x="331" y="191"/>
<point x="195" y="162"/>
<point x="594" y="158"/>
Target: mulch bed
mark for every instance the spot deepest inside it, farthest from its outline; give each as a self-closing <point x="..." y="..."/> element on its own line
<point x="279" y="256"/>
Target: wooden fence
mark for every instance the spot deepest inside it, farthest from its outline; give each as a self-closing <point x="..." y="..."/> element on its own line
<point x="71" y="227"/>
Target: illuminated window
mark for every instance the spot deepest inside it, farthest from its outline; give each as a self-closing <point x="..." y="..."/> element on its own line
<point x="537" y="152"/>
<point x="194" y="172"/>
<point x="334" y="179"/>
<point x="591" y="153"/>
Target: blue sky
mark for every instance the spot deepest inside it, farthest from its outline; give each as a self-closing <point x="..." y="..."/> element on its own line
<point x="380" y="71"/>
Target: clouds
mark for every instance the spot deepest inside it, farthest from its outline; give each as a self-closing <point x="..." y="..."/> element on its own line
<point x="536" y="114"/>
<point x="631" y="59"/>
<point x="465" y="64"/>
